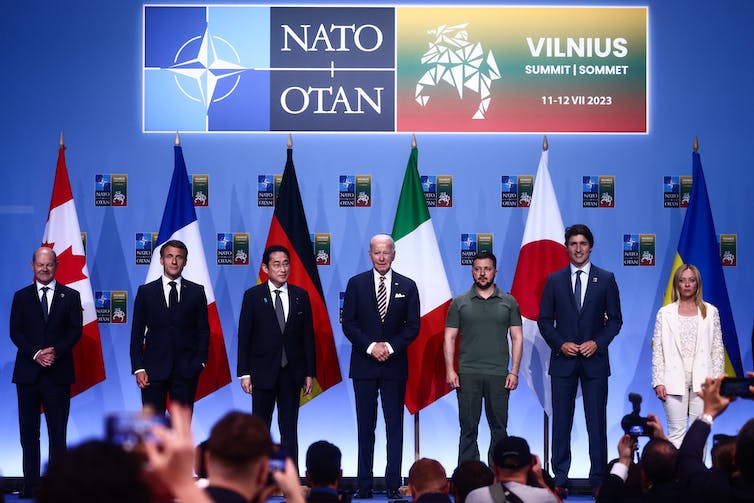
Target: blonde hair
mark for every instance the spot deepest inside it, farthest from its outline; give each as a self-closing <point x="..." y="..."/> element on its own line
<point x="698" y="300"/>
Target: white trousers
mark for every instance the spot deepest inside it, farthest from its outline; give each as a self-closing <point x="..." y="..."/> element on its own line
<point x="681" y="411"/>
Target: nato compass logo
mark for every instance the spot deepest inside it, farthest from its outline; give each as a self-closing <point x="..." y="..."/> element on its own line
<point x="454" y="59"/>
<point x="201" y="67"/>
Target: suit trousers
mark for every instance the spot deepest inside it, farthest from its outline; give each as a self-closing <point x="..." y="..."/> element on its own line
<point x="681" y="411"/>
<point x="181" y="390"/>
<point x="392" y="393"/>
<point x="56" y="400"/>
<point x="474" y="388"/>
<point x="287" y="395"/>
<point x="594" y="391"/>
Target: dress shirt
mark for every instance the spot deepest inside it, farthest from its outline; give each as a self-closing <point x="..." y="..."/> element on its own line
<point x="388" y="284"/>
<point x="51" y="286"/>
<point x="166" y="288"/>
<point x="584" y="279"/>
<point x="283" y="296"/>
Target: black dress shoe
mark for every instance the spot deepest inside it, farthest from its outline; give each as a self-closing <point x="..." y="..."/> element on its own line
<point x="363" y="494"/>
<point x="394" y="494"/>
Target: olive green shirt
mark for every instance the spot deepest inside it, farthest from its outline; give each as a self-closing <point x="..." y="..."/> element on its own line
<point x="483" y="330"/>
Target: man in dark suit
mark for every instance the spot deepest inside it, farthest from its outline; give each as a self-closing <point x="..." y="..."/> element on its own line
<point x="381" y="319"/>
<point x="578" y="317"/>
<point x="276" y="357"/>
<point x="169" y="333"/>
<point x="46" y="321"/>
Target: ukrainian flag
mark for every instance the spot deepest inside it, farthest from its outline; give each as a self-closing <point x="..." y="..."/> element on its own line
<point x="698" y="245"/>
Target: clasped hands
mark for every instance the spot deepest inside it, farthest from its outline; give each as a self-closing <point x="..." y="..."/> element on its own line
<point x="46" y="357"/>
<point x="380" y="352"/>
<point x="585" y="349"/>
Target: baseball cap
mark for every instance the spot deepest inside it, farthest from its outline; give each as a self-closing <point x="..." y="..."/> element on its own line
<point x="511" y="452"/>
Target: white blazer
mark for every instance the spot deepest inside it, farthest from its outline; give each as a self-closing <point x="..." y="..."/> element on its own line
<point x="667" y="362"/>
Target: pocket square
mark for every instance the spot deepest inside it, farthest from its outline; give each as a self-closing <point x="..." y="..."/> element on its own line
<point x="399" y="295"/>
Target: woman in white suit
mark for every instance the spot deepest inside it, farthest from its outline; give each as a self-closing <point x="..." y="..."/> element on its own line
<point x="687" y="347"/>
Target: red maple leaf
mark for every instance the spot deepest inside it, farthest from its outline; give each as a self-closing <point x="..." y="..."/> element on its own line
<point x="70" y="267"/>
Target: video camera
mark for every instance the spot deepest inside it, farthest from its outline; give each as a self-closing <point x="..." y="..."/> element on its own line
<point x="633" y="424"/>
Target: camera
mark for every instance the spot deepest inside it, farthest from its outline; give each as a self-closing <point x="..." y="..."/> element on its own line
<point x="131" y="429"/>
<point x="633" y="424"/>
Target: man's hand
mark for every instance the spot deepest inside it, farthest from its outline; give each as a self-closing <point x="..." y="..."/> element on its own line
<point x="511" y="381"/>
<point x="661" y="392"/>
<point x="451" y="377"/>
<point x="46" y="357"/>
<point x="655" y="427"/>
<point x="288" y="481"/>
<point x="714" y="402"/>
<point x="308" y="384"/>
<point x="142" y="379"/>
<point x="569" y="349"/>
<point x="536" y="471"/>
<point x="246" y="385"/>
<point x="627" y="445"/>
<point x="588" y="348"/>
<point x="380" y="352"/>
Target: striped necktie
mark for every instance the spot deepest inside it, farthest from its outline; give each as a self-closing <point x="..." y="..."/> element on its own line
<point x="382" y="298"/>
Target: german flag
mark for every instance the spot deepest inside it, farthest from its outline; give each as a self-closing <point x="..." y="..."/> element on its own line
<point x="289" y="228"/>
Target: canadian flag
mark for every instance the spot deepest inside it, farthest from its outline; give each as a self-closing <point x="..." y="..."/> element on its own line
<point x="63" y="235"/>
<point x="542" y="252"/>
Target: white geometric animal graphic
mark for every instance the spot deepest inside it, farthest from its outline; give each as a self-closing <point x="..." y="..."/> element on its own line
<point x="200" y="198"/>
<point x="647" y="257"/>
<point x="362" y="198"/>
<point x="606" y="199"/>
<point x="119" y="197"/>
<point x="322" y="257"/>
<point x="728" y="258"/>
<point x="119" y="314"/>
<point x="241" y="256"/>
<point x="443" y="198"/>
<point x="460" y="63"/>
<point x="525" y="199"/>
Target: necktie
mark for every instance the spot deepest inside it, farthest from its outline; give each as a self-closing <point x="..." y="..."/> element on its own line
<point x="577" y="290"/>
<point x="172" y="296"/>
<point x="281" y="322"/>
<point x="45" y="304"/>
<point x="382" y="298"/>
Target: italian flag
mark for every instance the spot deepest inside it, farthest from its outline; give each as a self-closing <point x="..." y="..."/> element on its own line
<point x="542" y="252"/>
<point x="418" y="256"/>
<point x="63" y="234"/>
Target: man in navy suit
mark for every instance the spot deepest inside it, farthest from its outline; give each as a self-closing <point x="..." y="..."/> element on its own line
<point x="381" y="319"/>
<point x="46" y="321"/>
<point x="276" y="357"/>
<point x="169" y="333"/>
<point x="578" y="317"/>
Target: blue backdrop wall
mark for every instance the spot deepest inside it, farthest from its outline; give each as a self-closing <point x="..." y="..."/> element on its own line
<point x="75" y="66"/>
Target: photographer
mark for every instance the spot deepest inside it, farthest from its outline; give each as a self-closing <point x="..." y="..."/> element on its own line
<point x="657" y="468"/>
<point x="712" y="484"/>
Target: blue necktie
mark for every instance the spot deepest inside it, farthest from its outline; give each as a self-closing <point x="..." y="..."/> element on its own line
<point x="45" y="304"/>
<point x="577" y="290"/>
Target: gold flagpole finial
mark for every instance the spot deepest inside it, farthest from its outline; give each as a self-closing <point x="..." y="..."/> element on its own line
<point x="413" y="140"/>
<point x="545" y="145"/>
<point x="62" y="143"/>
<point x="290" y="140"/>
<point x="177" y="139"/>
<point x="696" y="144"/>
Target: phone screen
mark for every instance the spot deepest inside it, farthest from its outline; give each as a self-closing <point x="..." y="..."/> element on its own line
<point x="736" y="386"/>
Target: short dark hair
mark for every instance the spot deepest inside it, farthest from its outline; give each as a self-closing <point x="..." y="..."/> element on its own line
<point x="745" y="450"/>
<point x="323" y="463"/>
<point x="239" y="439"/>
<point x="483" y="255"/>
<point x="175" y="244"/>
<point x="427" y="476"/>
<point x="577" y="229"/>
<point x="95" y="471"/>
<point x="272" y="249"/>
<point x="659" y="460"/>
<point x="470" y="475"/>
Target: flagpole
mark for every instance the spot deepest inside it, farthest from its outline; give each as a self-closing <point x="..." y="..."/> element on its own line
<point x="177" y="139"/>
<point x="545" y="418"/>
<point x="696" y="144"/>
<point x="416" y="416"/>
<point x="62" y="143"/>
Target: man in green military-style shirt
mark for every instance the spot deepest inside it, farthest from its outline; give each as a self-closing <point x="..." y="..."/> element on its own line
<point x="482" y="316"/>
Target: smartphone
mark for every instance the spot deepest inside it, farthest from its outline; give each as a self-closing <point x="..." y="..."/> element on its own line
<point x="277" y="462"/>
<point x="130" y="429"/>
<point x="736" y="386"/>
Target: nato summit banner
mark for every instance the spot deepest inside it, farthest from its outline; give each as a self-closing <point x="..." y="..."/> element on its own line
<point x="252" y="68"/>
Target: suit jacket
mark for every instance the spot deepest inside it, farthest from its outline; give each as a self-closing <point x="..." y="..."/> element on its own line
<point x="260" y="341"/>
<point x="666" y="345"/>
<point x="169" y="346"/>
<point x="362" y="325"/>
<point x="30" y="333"/>
<point x="600" y="320"/>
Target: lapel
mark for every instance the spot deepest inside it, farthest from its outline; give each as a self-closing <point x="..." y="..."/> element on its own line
<point x="591" y="287"/>
<point x="569" y="288"/>
<point x="34" y="297"/>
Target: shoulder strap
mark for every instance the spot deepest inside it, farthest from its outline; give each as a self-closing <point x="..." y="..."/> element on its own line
<point x="510" y="495"/>
<point x="497" y="493"/>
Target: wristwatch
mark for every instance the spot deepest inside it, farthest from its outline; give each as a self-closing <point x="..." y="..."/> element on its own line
<point x="707" y="418"/>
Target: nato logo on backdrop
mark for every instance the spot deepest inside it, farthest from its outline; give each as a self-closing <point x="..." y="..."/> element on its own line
<point x="111" y="306"/>
<point x="110" y="190"/>
<point x="639" y="249"/>
<point x="355" y="191"/>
